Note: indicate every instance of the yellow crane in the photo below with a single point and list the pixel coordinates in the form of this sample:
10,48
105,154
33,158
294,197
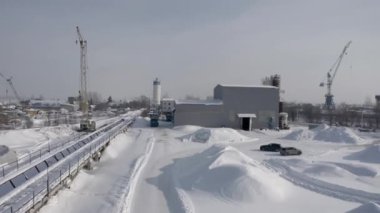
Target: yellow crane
85,124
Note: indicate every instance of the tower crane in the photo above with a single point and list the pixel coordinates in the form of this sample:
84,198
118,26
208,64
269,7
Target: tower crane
329,103
9,80
85,123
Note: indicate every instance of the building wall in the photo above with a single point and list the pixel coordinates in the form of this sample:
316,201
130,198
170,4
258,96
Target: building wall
262,101
167,105
199,114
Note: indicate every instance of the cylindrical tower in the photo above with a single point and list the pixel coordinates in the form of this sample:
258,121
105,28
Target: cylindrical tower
156,92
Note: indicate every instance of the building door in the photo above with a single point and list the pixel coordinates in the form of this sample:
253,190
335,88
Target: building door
246,124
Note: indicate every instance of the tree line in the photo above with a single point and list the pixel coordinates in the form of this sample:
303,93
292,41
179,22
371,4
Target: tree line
344,115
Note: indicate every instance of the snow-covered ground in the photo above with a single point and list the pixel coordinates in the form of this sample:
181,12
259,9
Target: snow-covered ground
194,169
18,143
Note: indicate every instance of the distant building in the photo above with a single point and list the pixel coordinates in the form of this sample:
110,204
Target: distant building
72,100
234,106
167,105
377,100
45,104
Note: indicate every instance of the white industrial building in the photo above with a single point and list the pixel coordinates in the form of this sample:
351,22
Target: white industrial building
234,106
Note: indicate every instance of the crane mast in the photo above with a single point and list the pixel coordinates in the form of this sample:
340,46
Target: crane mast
83,73
85,123
329,103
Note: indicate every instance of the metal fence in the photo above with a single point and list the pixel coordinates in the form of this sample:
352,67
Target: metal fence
46,182
30,158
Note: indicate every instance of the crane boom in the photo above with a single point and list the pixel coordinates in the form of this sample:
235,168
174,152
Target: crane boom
338,62
9,80
329,103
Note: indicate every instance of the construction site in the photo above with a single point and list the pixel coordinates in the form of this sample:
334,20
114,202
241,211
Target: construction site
189,107
21,113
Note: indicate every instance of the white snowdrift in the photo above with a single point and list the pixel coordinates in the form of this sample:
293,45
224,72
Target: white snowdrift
366,208
7,155
370,154
187,128
217,135
331,169
327,134
227,173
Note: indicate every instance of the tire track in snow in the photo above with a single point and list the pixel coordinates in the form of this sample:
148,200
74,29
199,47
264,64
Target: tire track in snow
138,167
322,187
185,203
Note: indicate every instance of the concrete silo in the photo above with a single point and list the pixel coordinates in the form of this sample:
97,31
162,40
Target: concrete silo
156,93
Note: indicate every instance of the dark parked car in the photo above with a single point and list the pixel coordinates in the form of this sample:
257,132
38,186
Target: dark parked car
290,151
272,147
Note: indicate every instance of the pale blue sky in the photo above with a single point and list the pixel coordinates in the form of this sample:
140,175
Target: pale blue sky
191,45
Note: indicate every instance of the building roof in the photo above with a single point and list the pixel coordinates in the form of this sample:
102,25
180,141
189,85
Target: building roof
200,102
167,99
246,86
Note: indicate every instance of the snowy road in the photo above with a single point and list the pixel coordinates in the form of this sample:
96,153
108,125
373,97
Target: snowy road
322,187
105,188
160,170
155,191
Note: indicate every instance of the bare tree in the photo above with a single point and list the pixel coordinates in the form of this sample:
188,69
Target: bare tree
191,97
94,97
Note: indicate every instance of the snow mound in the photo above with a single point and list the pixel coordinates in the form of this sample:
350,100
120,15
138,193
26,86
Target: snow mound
3,150
326,133
337,134
217,135
325,170
187,128
300,135
358,170
331,169
321,127
7,155
227,173
366,208
370,154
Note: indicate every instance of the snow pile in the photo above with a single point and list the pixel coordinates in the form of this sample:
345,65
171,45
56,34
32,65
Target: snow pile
337,134
187,128
325,170
217,135
3,150
370,154
300,135
326,133
366,208
6,155
331,169
316,169
227,173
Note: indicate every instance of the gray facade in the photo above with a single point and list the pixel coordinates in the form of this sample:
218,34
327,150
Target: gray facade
259,104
